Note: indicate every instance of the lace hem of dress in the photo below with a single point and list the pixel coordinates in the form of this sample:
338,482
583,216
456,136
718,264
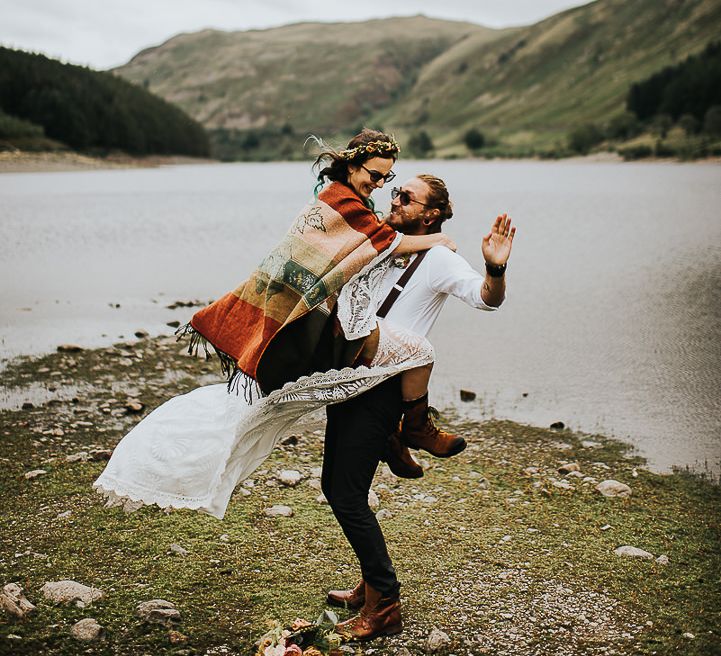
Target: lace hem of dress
141,472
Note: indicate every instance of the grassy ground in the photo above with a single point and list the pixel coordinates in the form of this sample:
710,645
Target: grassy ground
502,560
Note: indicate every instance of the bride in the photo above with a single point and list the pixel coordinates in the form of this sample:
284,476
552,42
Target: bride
299,334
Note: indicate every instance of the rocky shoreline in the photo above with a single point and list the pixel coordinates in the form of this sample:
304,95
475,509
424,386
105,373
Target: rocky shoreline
533,541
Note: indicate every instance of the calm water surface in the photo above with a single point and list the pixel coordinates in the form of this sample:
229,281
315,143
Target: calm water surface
614,286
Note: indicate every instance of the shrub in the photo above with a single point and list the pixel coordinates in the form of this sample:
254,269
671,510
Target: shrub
712,121
585,137
474,139
689,124
420,143
639,151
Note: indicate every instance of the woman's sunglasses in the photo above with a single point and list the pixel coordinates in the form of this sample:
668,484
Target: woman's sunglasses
377,176
404,197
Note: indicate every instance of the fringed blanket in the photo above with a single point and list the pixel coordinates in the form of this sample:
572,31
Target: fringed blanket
281,323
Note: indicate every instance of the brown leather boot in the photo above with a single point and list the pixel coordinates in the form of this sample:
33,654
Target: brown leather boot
400,460
351,599
419,432
380,616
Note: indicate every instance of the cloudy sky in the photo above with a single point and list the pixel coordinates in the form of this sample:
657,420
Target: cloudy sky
107,33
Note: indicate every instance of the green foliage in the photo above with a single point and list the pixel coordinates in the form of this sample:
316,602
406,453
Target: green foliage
639,151
10,127
420,143
689,124
690,87
712,121
260,144
88,109
624,126
661,124
585,137
474,139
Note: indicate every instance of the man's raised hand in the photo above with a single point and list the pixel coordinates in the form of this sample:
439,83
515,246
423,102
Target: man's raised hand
496,246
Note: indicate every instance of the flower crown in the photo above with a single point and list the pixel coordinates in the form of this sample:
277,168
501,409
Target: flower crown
373,147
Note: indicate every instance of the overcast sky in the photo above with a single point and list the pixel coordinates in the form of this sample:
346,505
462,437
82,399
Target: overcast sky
107,33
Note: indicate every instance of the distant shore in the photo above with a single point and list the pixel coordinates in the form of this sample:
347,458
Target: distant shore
39,162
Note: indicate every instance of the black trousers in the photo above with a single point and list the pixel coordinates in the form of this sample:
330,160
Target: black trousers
355,440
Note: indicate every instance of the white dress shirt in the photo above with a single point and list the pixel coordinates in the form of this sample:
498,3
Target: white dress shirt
440,274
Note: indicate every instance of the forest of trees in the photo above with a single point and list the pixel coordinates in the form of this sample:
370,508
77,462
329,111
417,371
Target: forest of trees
690,88
92,110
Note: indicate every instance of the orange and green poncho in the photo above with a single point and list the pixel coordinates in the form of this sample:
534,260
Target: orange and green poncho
281,323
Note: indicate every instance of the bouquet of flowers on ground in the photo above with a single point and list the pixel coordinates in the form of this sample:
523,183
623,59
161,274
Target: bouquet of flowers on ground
302,638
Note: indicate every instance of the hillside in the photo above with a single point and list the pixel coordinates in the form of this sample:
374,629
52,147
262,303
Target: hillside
534,85
310,76
260,92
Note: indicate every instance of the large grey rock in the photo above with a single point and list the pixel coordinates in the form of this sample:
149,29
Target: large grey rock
176,548
279,511
65,592
436,641
662,559
13,601
87,630
611,488
158,611
633,552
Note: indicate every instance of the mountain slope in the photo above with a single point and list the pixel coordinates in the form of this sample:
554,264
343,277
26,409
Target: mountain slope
312,76
572,68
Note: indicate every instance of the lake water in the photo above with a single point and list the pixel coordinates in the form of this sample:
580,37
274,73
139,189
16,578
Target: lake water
614,286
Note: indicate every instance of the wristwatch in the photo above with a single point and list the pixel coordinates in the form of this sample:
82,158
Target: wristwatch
495,270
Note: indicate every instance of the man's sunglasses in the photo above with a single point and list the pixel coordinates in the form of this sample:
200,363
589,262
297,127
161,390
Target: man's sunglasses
404,197
377,176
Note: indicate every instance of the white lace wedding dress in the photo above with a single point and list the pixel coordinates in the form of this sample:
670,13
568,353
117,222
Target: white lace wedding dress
193,450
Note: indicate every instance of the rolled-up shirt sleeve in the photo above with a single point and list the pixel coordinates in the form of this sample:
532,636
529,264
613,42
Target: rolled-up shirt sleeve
451,274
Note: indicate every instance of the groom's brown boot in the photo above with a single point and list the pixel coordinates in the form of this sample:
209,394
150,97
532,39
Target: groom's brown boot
351,599
419,432
380,616
399,459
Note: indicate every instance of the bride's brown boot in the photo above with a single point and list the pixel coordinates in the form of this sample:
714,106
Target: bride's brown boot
419,432
399,459
380,616
351,599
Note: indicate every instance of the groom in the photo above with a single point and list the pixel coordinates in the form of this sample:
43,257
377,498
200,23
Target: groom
358,430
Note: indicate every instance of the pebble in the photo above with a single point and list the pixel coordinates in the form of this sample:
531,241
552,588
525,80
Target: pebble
383,513
436,641
158,611
689,636
467,395
67,591
87,630
662,559
13,601
611,488
558,425
176,548
564,485
279,511
633,552
569,467
321,498
133,406
290,477
373,501
69,348
35,473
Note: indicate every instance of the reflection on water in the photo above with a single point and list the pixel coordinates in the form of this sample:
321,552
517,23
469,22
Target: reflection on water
614,286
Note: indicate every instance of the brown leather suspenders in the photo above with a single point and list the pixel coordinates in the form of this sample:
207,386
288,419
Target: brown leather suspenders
398,287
